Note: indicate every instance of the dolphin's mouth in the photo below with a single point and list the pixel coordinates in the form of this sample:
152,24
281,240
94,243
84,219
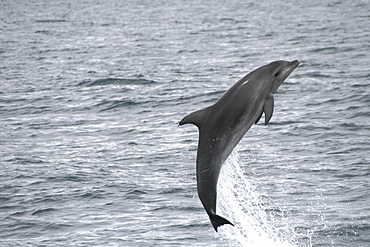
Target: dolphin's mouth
295,63
285,73
292,65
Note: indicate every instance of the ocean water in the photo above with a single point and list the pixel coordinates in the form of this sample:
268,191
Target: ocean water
91,93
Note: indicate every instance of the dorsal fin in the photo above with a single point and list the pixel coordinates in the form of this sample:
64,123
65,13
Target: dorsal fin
195,118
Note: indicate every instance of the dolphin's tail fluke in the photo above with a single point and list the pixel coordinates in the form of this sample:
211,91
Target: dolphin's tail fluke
218,221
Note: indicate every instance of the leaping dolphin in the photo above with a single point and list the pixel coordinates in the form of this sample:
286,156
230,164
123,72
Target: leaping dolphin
222,125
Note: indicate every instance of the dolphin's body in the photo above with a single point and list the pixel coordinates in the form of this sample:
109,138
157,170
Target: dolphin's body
222,126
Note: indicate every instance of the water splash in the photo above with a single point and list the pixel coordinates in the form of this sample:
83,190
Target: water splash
241,204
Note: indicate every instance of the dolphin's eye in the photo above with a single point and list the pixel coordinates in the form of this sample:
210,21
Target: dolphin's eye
277,74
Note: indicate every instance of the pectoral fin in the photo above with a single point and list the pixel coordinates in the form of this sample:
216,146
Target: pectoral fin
268,108
258,119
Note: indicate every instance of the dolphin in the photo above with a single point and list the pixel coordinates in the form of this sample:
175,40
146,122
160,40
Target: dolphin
222,125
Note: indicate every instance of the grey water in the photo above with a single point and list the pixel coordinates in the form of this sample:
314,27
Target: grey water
91,93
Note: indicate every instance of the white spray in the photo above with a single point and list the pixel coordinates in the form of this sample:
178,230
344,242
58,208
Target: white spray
241,204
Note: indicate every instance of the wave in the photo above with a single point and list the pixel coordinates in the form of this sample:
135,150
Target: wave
50,20
113,104
117,81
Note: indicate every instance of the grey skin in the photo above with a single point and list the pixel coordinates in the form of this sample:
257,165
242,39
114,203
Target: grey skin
222,125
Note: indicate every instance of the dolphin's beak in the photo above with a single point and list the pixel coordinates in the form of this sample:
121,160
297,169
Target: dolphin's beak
293,65
289,69
286,72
